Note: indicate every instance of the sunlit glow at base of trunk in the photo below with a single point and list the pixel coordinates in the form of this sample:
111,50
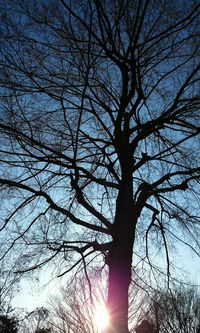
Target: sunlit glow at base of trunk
101,317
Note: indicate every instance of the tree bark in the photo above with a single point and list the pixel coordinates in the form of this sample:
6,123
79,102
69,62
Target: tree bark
120,258
118,284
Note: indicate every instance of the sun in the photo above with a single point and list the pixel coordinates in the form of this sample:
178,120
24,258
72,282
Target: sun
101,317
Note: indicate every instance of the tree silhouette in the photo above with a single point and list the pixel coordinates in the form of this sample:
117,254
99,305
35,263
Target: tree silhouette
176,310
99,128
71,310
8,324
36,321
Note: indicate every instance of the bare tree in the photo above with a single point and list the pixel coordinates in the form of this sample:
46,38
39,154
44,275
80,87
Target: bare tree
36,321
99,128
9,287
8,324
176,310
72,310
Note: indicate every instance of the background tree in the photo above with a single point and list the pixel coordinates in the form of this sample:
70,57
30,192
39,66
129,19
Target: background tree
176,310
99,127
36,321
9,286
8,324
74,310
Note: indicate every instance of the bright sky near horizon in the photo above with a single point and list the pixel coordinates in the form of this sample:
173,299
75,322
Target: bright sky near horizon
34,294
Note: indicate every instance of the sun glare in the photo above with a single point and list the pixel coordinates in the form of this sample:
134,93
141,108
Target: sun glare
101,317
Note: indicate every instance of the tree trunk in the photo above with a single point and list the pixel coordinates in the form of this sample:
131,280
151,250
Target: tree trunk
120,254
118,284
